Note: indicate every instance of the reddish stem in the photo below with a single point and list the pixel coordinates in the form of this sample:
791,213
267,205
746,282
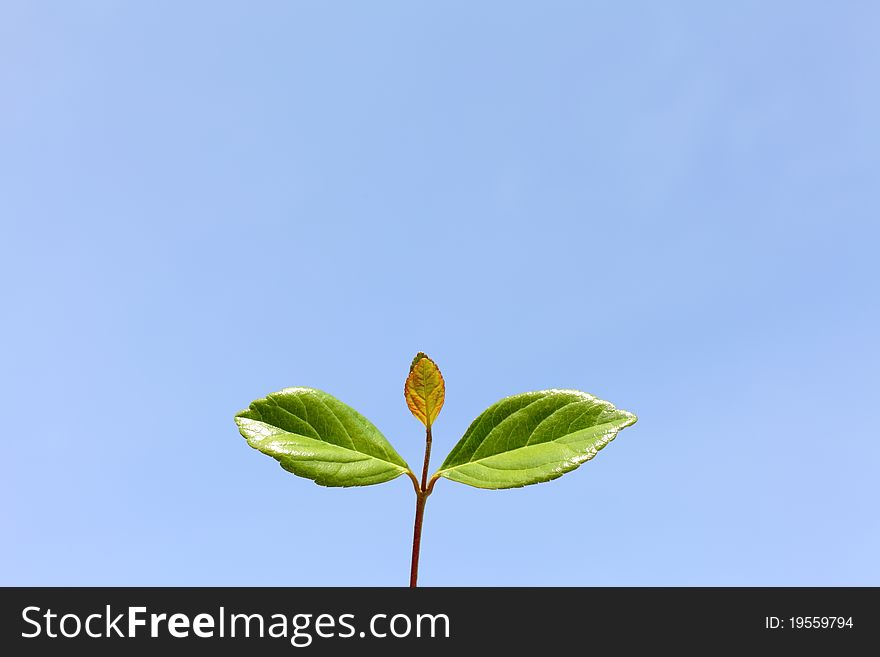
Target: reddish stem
422,493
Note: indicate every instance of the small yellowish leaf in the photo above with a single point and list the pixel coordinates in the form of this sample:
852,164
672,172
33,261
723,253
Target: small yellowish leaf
425,389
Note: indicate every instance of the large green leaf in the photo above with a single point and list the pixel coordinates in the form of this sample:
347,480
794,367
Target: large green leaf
314,435
533,437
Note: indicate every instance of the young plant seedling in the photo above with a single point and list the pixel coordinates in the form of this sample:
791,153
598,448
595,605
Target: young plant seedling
521,440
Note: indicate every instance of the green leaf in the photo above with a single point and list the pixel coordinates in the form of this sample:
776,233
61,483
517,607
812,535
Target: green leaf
533,437
314,435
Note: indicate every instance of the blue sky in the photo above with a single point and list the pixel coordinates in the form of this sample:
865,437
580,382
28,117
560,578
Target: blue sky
672,207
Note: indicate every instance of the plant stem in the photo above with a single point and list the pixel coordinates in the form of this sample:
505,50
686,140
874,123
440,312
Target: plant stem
427,458
421,499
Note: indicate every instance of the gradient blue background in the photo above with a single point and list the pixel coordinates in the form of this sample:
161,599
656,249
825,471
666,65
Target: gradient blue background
673,208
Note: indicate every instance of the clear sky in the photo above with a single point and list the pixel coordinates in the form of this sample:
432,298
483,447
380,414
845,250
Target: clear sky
673,207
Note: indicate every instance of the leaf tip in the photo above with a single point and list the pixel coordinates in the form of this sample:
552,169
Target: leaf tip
417,358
